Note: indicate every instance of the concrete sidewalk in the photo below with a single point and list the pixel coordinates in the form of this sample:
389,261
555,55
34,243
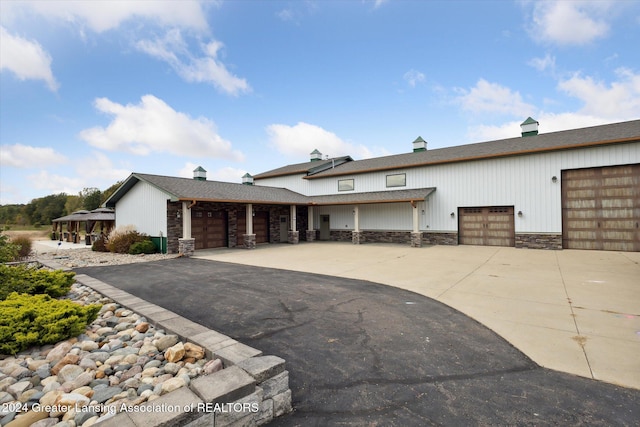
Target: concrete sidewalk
572,311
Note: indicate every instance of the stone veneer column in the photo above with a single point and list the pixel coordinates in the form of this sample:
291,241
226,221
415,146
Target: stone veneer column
249,241
294,237
311,235
416,240
186,247
356,236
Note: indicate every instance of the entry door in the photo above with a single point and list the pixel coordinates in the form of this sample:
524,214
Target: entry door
325,229
284,228
487,226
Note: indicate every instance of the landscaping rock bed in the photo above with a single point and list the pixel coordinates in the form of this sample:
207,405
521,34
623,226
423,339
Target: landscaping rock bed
121,359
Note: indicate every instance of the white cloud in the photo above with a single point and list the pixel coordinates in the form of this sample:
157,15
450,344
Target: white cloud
54,184
100,170
378,3
26,156
205,69
26,59
153,126
413,77
548,63
488,97
100,16
570,22
303,138
618,100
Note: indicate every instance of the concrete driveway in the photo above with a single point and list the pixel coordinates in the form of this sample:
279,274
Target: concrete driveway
573,311
361,353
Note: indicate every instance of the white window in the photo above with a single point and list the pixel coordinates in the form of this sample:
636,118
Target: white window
397,180
345,185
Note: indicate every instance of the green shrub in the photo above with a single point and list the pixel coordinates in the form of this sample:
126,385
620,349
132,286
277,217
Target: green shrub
27,320
99,245
121,242
24,243
8,251
146,247
37,226
29,280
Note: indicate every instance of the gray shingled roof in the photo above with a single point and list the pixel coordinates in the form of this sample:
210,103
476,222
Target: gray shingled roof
372,197
596,135
308,168
215,191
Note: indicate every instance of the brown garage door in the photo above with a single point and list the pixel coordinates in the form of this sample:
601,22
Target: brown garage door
601,208
487,226
209,228
260,226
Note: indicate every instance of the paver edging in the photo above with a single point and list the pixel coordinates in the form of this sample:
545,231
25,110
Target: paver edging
220,399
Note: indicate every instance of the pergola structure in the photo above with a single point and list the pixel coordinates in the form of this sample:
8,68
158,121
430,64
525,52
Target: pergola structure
105,216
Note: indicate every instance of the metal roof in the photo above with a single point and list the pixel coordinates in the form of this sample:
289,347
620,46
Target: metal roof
308,168
178,189
564,140
100,214
373,197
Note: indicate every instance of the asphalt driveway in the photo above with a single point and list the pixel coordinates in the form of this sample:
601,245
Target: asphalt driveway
361,353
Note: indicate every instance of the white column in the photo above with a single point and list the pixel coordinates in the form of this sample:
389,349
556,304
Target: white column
249,218
416,217
356,218
186,221
310,218
294,225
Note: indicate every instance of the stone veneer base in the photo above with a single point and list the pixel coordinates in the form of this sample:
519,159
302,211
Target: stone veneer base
293,237
186,247
249,241
539,241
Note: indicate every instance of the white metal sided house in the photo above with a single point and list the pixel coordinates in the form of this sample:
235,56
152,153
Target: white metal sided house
572,189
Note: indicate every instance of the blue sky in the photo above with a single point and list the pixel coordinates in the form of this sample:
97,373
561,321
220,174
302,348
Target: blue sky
92,91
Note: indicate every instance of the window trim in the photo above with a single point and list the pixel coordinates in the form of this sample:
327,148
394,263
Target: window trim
404,181
342,182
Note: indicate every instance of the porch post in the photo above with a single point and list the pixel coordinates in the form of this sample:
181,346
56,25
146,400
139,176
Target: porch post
186,245
249,239
311,233
416,235
356,236
293,234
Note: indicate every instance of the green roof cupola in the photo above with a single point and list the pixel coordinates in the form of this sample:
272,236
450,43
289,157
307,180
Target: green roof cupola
247,179
200,174
529,127
419,145
316,155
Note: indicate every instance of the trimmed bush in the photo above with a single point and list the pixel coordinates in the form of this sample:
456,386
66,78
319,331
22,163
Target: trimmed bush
121,239
25,246
27,320
146,247
29,280
100,245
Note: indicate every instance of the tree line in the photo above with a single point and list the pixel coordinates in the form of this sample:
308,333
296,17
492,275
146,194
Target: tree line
40,211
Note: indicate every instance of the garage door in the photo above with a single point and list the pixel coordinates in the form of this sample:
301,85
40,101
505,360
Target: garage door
486,226
209,228
601,208
260,226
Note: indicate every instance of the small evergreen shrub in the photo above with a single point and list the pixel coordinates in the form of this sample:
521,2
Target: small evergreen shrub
8,251
145,247
28,320
29,280
25,246
120,241
100,245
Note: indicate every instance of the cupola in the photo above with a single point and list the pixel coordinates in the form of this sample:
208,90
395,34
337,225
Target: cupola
529,127
200,174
